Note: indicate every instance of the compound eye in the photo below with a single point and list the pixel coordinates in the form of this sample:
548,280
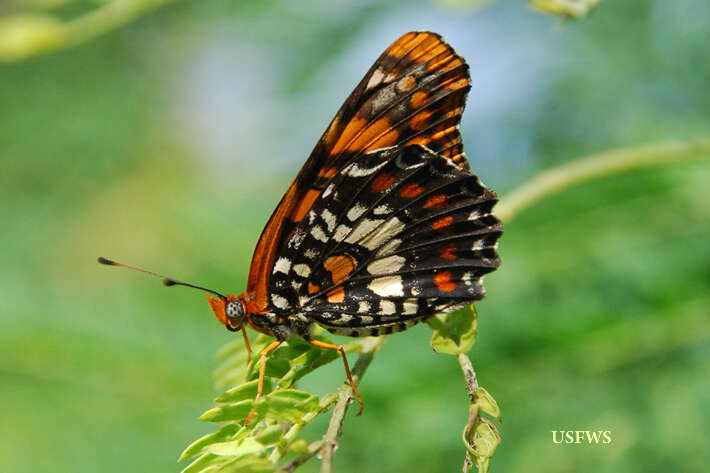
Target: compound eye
235,312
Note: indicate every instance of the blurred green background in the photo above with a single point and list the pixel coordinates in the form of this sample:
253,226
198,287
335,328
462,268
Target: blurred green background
166,143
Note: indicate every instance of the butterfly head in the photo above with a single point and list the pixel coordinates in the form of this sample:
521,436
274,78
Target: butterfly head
229,311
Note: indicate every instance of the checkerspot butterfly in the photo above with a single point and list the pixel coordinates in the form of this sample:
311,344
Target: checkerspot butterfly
384,226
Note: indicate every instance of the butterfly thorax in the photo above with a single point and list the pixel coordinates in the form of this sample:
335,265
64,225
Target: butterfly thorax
282,327
234,311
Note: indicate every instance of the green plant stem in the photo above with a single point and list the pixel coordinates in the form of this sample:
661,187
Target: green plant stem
597,165
471,387
345,397
469,374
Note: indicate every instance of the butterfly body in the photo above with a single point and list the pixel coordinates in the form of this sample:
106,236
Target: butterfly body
384,225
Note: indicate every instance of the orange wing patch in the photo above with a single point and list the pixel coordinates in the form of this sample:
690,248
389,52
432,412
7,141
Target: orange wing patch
379,134
340,267
313,288
448,251
436,201
336,295
411,190
443,281
443,222
305,205
382,182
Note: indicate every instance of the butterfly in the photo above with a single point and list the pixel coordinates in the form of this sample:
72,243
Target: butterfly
384,226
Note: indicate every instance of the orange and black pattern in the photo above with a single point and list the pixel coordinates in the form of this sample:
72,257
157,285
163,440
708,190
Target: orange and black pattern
384,225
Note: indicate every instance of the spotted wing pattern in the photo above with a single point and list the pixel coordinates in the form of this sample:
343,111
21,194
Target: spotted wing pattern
395,237
413,94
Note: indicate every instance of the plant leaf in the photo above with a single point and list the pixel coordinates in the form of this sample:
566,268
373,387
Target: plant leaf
289,405
205,463
237,412
244,391
248,465
198,445
236,448
454,332
487,404
271,435
483,439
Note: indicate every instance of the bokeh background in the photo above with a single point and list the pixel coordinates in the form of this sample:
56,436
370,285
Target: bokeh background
167,142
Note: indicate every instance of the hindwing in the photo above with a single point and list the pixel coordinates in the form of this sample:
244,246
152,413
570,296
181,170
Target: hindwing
395,237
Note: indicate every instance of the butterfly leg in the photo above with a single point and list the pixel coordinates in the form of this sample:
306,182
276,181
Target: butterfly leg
262,368
330,346
246,342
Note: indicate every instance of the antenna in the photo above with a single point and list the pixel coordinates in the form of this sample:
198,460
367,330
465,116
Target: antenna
166,280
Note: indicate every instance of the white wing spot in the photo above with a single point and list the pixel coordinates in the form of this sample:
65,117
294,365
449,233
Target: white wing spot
387,307
390,264
467,278
279,301
328,190
282,265
296,239
363,229
341,232
363,307
310,253
382,210
411,306
329,219
302,270
375,79
356,171
387,286
372,241
389,247
318,234
355,212
474,215
366,319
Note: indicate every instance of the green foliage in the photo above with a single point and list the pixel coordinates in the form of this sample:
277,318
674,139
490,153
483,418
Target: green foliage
271,438
454,332
270,442
25,34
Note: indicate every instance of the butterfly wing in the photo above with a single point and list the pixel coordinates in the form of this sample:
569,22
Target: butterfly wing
413,94
396,236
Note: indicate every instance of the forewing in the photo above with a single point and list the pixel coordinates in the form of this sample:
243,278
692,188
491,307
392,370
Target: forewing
395,237
413,94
